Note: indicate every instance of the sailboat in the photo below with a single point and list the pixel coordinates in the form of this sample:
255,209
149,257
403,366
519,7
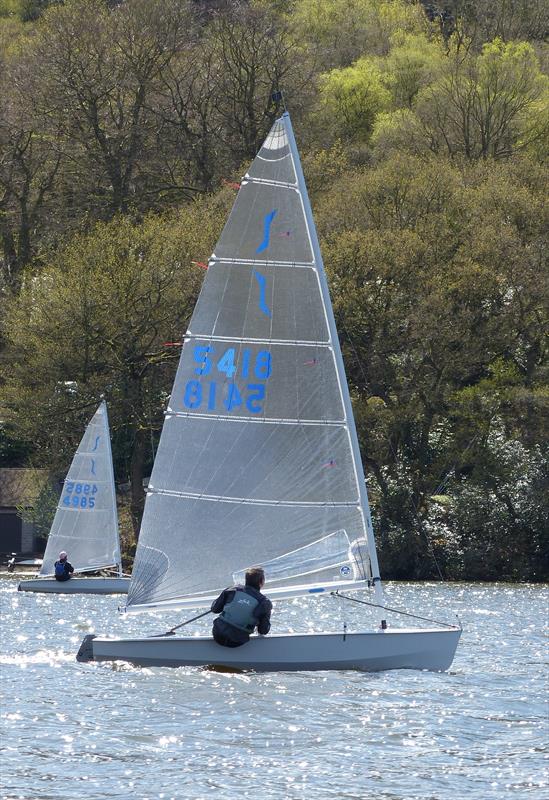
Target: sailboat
86,521
258,461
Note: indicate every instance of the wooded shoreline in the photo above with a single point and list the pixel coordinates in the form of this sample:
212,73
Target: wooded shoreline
125,129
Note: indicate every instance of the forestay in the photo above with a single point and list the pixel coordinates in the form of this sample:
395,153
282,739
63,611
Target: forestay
258,455
86,521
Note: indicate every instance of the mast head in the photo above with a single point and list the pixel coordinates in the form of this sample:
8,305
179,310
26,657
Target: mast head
278,98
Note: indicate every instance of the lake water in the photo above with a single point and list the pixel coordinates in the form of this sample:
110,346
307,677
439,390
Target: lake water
93,731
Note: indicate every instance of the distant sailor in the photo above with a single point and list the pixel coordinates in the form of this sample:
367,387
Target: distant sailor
63,568
242,609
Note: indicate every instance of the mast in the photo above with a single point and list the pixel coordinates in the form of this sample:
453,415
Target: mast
117,552
363,492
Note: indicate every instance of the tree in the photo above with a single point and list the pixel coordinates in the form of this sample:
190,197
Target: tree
257,53
412,63
101,69
78,137
490,105
429,304
353,97
29,164
345,30
40,515
185,108
482,21
214,101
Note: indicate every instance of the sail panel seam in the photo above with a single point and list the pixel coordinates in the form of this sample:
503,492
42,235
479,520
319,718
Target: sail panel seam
214,498
255,340
262,262
273,420
269,182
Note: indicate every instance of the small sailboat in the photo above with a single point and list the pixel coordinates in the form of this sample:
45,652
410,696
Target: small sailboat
86,521
258,461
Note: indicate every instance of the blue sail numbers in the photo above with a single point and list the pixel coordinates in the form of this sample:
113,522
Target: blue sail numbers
80,495
217,393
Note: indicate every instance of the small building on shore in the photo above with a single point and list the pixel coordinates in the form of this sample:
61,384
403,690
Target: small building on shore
19,488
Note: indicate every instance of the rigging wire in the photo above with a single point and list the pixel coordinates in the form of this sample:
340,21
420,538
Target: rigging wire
394,610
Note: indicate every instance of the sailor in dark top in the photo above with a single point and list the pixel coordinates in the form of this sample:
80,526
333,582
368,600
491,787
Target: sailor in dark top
242,610
63,568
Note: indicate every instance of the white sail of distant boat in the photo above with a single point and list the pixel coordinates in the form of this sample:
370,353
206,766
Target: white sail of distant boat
86,520
258,461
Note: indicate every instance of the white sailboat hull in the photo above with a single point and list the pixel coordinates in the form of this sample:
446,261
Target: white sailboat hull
422,649
76,586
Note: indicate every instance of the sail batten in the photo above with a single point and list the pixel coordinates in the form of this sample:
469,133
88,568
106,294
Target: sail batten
266,182
253,501
339,423
256,459
263,263
249,340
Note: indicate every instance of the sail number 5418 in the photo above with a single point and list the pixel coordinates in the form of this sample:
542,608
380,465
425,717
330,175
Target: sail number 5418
214,395
205,358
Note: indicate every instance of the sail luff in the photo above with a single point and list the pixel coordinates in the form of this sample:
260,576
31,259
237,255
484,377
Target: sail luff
363,492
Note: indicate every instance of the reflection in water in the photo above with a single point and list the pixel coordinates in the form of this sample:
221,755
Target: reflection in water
97,731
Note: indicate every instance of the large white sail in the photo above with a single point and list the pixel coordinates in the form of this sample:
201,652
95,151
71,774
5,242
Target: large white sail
86,521
258,460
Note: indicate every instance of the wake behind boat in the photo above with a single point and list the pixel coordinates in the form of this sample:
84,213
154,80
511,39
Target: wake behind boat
258,460
86,521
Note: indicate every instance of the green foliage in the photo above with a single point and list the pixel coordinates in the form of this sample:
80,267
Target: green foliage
9,8
499,528
13,451
481,21
412,63
323,167
136,106
488,105
442,319
353,97
25,10
344,30
32,9
13,38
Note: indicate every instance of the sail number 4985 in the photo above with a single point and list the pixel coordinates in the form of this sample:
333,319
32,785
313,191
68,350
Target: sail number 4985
214,395
79,495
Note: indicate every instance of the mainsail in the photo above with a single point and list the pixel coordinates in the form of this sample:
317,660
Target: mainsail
258,460
86,521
